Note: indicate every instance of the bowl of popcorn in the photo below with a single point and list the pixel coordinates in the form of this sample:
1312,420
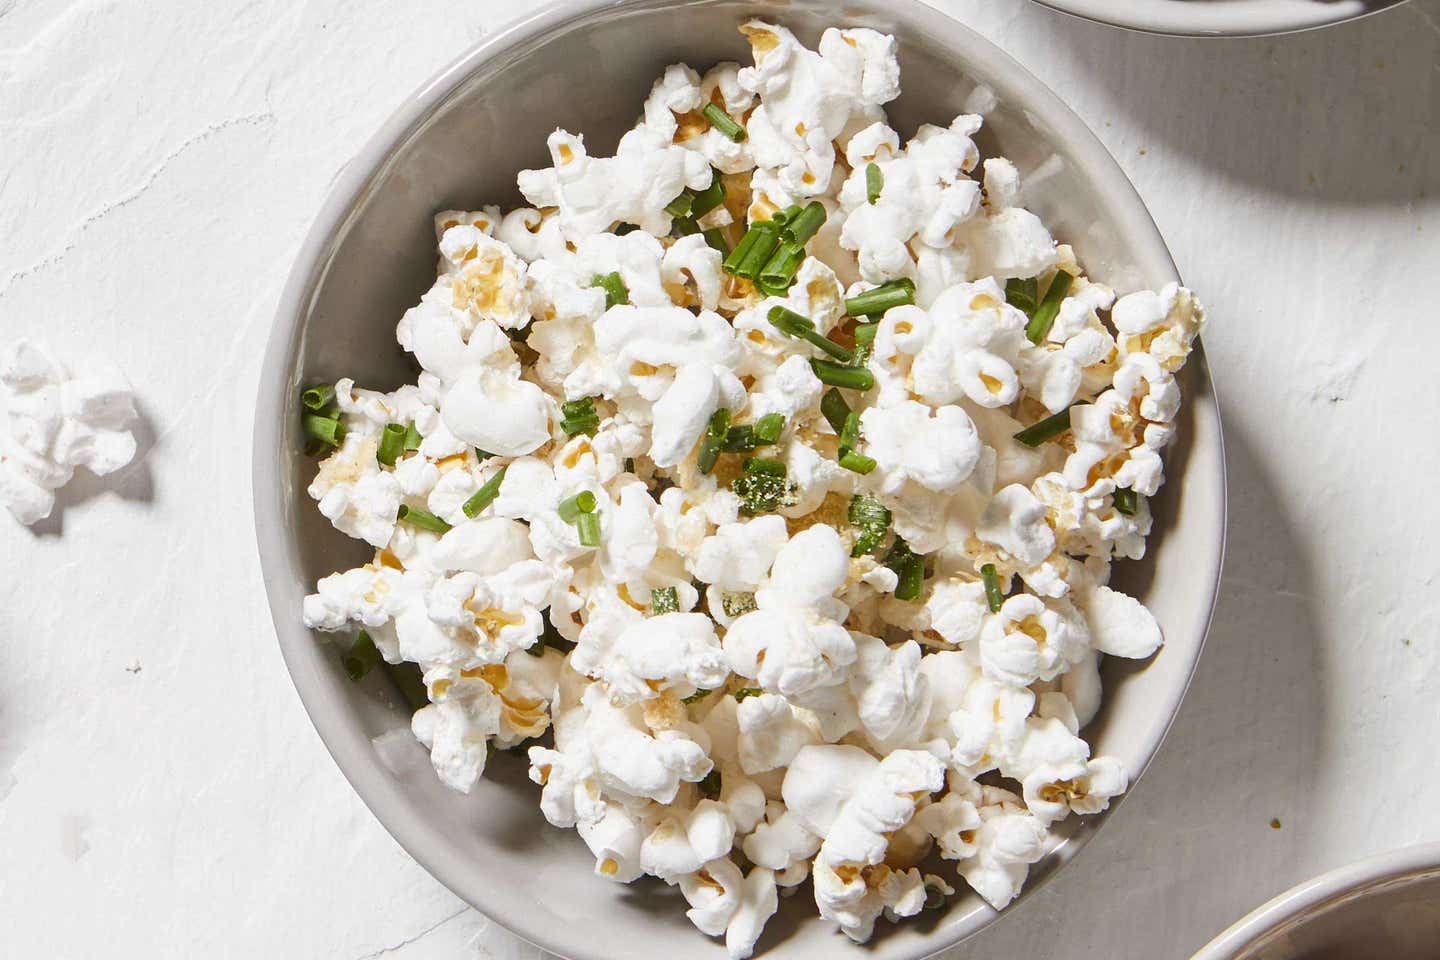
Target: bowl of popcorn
716,500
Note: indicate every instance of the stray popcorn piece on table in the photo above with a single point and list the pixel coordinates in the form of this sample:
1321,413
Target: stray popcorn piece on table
764,480
56,421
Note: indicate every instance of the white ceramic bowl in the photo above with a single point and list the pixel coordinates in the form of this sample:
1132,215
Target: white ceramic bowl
458,142
1387,906
1220,18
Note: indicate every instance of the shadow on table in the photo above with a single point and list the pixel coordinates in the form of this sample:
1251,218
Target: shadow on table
1345,115
1244,753
132,482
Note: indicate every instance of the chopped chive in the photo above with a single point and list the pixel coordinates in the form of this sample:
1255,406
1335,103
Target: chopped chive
412,437
709,785
681,205
1047,429
326,430
857,462
792,324
874,182
850,432
579,416
614,287
622,229
784,263
912,579
1126,501
766,466
1022,294
486,495
708,199
722,121
934,897
865,334
805,224
684,226
737,604
835,409
697,696
318,397
392,444
482,455
1039,326
361,657
570,509
769,427
747,692
715,237
994,598
872,519
742,250
891,293
713,441
410,681
578,408
664,600
763,487
740,439
423,519
589,526
838,375
785,216
767,239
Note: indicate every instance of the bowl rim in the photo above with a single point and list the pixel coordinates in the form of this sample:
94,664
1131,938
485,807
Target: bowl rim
350,749
1174,18
1305,898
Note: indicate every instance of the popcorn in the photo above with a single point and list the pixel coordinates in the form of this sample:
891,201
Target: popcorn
55,422
739,676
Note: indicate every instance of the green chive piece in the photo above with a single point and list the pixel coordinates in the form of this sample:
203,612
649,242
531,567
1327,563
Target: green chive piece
806,223
412,438
763,487
909,566
722,121
741,252
715,237
614,287
792,324
1022,294
934,897
838,375
740,439
1039,326
482,455
1126,501
872,519
779,273
579,416
423,519
857,462
994,597
361,657
786,215
684,226
622,229
697,696
392,444
589,526
759,254
681,205
410,681
319,397
571,509
709,786
713,441
486,495
769,427
850,432
874,182
737,604
835,409
865,334
326,430
664,600
745,693
1047,429
891,293
708,199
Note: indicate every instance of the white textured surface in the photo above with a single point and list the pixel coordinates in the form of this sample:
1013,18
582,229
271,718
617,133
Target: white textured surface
161,791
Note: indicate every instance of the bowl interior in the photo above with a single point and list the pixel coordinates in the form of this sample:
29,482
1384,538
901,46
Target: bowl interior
458,144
